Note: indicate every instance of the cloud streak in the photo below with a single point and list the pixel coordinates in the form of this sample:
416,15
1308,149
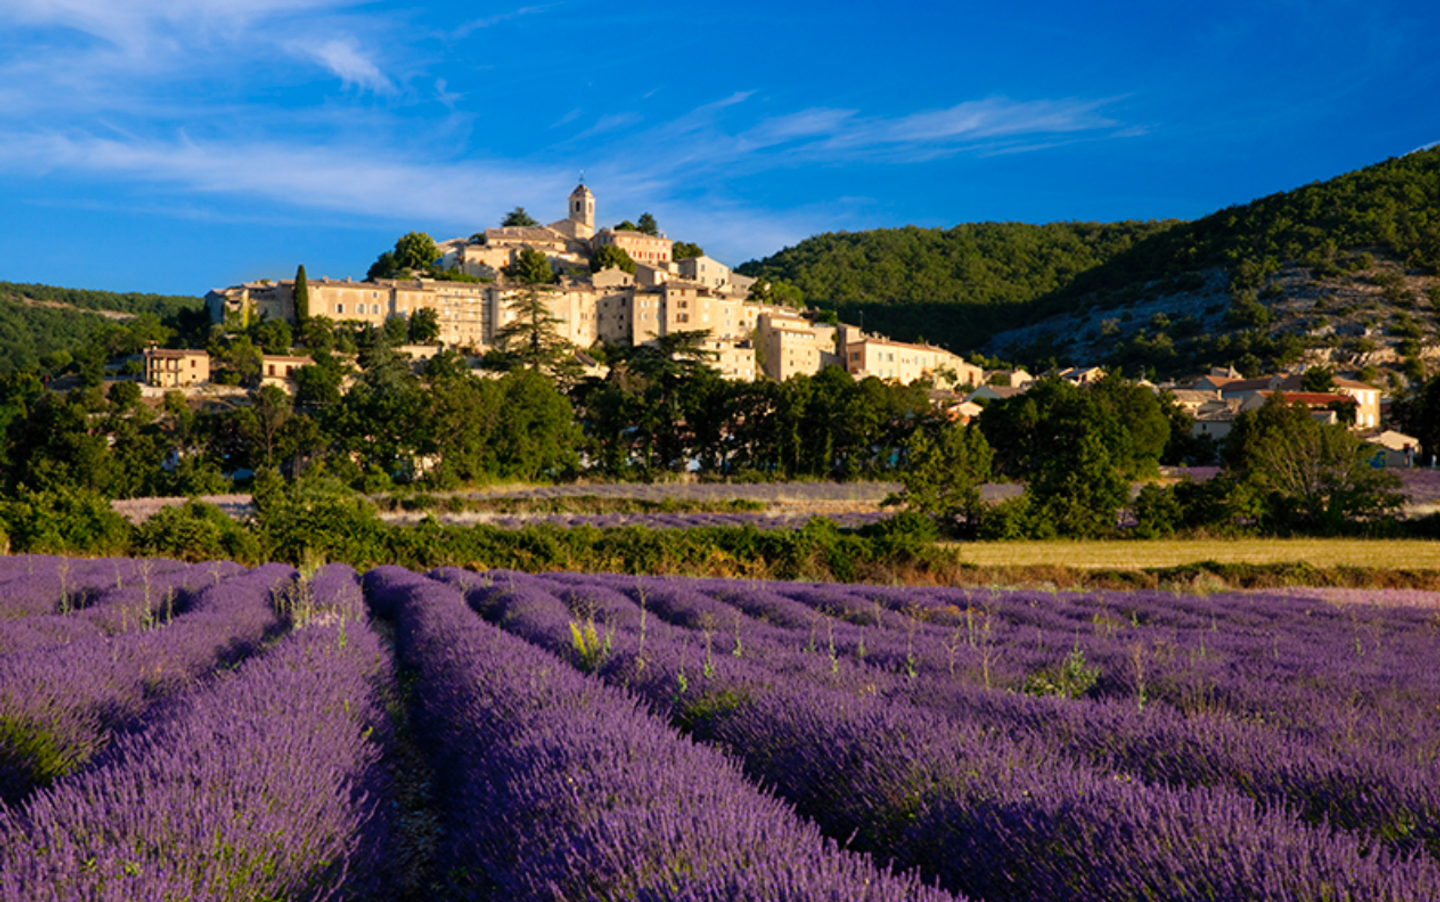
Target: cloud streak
344,58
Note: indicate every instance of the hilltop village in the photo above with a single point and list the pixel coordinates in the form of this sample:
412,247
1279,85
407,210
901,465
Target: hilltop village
747,338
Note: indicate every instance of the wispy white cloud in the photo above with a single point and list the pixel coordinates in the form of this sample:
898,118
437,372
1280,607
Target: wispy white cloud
335,178
567,118
610,122
138,25
467,28
344,58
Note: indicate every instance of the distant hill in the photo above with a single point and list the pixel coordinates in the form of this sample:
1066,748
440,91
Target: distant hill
1231,285
40,320
952,286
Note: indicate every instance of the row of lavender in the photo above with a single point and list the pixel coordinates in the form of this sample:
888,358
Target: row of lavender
1227,747
1013,746
557,787
188,779
666,521
268,781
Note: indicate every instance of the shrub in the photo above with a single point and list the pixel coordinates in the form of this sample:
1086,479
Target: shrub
195,531
64,521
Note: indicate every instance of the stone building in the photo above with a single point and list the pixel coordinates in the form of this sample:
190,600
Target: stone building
166,368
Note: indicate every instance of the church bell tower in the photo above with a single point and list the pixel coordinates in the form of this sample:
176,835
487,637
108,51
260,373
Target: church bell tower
582,206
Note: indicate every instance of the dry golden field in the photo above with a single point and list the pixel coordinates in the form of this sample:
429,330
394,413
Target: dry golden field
1395,554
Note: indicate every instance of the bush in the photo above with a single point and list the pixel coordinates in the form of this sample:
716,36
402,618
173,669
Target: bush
1158,513
321,520
1016,518
64,520
196,531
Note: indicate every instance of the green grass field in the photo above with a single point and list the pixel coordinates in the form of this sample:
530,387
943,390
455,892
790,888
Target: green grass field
1392,554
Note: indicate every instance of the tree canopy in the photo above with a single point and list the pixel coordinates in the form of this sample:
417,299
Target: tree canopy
611,255
530,267
518,218
415,253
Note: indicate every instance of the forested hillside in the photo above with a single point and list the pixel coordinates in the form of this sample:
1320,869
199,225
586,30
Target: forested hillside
947,285
42,326
959,286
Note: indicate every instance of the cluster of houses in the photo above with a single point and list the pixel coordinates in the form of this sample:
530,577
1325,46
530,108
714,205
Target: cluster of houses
746,337
1218,398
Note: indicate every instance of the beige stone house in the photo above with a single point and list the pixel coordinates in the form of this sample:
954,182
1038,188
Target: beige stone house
279,370
166,368
898,361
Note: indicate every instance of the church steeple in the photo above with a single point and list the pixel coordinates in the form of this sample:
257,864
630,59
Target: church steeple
582,206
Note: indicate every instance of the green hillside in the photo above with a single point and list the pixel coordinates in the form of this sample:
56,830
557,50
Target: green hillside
960,286
44,326
954,286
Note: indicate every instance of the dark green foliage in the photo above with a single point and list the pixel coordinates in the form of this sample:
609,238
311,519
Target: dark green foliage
44,335
195,531
302,296
1419,413
684,250
530,267
518,218
942,474
384,267
777,291
956,286
158,306
274,336
647,225
424,326
612,255
415,254
320,519
1303,475
64,520
1076,450
1158,512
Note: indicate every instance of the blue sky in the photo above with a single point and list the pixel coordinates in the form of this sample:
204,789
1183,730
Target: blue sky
167,146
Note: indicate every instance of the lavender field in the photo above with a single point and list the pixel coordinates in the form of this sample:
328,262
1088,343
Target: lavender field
209,732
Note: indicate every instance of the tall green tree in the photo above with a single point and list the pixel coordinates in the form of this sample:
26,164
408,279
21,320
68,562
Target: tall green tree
518,218
1307,476
531,338
647,225
302,297
1071,450
942,472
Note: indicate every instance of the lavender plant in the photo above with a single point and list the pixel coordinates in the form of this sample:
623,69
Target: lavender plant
579,792
265,785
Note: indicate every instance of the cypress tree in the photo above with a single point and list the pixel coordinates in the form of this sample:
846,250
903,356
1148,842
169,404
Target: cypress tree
302,296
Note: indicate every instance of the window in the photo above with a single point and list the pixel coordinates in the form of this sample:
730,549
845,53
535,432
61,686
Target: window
339,308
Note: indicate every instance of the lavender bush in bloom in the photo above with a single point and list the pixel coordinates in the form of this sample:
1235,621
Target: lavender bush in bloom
148,597
265,785
1004,817
42,584
560,788
57,710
